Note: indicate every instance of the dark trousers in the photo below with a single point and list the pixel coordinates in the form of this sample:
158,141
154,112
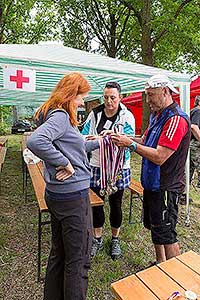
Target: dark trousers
69,260
115,202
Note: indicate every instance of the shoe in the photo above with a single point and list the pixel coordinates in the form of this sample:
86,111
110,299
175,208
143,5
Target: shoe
115,251
152,264
182,200
96,246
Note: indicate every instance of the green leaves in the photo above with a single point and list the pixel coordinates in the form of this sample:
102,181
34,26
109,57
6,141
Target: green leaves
162,33
27,21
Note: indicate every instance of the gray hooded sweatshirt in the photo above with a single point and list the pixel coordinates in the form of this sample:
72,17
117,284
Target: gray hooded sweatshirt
57,143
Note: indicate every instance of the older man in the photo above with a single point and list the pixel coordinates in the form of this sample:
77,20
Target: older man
164,149
195,140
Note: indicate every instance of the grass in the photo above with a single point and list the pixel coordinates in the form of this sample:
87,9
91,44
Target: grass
18,237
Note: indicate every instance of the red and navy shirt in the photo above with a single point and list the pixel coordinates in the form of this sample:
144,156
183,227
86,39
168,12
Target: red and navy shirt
169,129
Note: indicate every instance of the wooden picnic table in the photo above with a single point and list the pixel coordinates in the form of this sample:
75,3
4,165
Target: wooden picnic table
180,273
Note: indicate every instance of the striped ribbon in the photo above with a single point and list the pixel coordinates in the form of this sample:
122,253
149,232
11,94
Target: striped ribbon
111,164
174,295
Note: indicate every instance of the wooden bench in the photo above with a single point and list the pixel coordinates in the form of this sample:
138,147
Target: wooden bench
3,150
36,175
159,282
136,190
39,189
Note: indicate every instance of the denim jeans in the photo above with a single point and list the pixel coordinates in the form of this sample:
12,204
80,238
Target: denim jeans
69,260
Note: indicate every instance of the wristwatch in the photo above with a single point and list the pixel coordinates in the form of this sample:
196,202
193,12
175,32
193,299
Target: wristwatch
132,146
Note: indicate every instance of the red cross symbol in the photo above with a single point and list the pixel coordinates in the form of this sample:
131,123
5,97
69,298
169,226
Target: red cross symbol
19,79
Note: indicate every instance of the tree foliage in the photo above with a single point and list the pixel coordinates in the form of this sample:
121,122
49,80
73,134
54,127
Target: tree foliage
5,119
27,21
106,22
179,48
163,33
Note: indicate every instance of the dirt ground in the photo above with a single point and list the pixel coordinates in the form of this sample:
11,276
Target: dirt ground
18,238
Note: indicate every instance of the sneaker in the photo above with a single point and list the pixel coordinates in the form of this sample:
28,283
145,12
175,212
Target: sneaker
182,200
152,264
115,250
96,246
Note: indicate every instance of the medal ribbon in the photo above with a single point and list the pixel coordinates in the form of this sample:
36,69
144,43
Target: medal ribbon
111,163
102,167
174,295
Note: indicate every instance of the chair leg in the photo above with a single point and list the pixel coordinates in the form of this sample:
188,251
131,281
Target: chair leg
136,196
130,209
39,244
26,182
142,213
22,172
0,182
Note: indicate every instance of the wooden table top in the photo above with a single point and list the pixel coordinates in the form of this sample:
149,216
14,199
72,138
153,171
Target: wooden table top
159,282
37,170
3,140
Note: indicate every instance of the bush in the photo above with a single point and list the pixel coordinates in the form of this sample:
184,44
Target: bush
4,129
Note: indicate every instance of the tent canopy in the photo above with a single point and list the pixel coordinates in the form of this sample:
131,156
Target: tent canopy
51,62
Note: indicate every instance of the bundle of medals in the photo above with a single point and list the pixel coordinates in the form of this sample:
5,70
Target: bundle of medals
189,295
111,165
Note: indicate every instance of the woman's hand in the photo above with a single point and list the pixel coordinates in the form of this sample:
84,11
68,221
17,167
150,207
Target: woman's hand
64,172
91,137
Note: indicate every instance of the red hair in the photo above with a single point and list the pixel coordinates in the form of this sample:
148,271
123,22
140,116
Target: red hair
64,95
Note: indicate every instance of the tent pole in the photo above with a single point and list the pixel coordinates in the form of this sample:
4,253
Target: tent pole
185,104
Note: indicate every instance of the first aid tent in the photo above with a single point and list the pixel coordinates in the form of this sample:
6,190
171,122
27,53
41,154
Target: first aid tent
46,64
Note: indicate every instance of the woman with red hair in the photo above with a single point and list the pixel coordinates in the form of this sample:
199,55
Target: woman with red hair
62,148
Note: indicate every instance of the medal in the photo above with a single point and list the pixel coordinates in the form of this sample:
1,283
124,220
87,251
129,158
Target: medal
114,189
102,193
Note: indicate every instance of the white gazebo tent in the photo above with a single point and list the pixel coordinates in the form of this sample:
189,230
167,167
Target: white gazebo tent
51,62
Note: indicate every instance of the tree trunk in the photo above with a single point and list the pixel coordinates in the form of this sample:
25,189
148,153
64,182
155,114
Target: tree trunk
1,115
145,113
147,53
146,44
112,48
89,105
1,23
15,114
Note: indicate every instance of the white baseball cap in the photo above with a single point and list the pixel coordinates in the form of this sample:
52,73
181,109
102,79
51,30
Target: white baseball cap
157,81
